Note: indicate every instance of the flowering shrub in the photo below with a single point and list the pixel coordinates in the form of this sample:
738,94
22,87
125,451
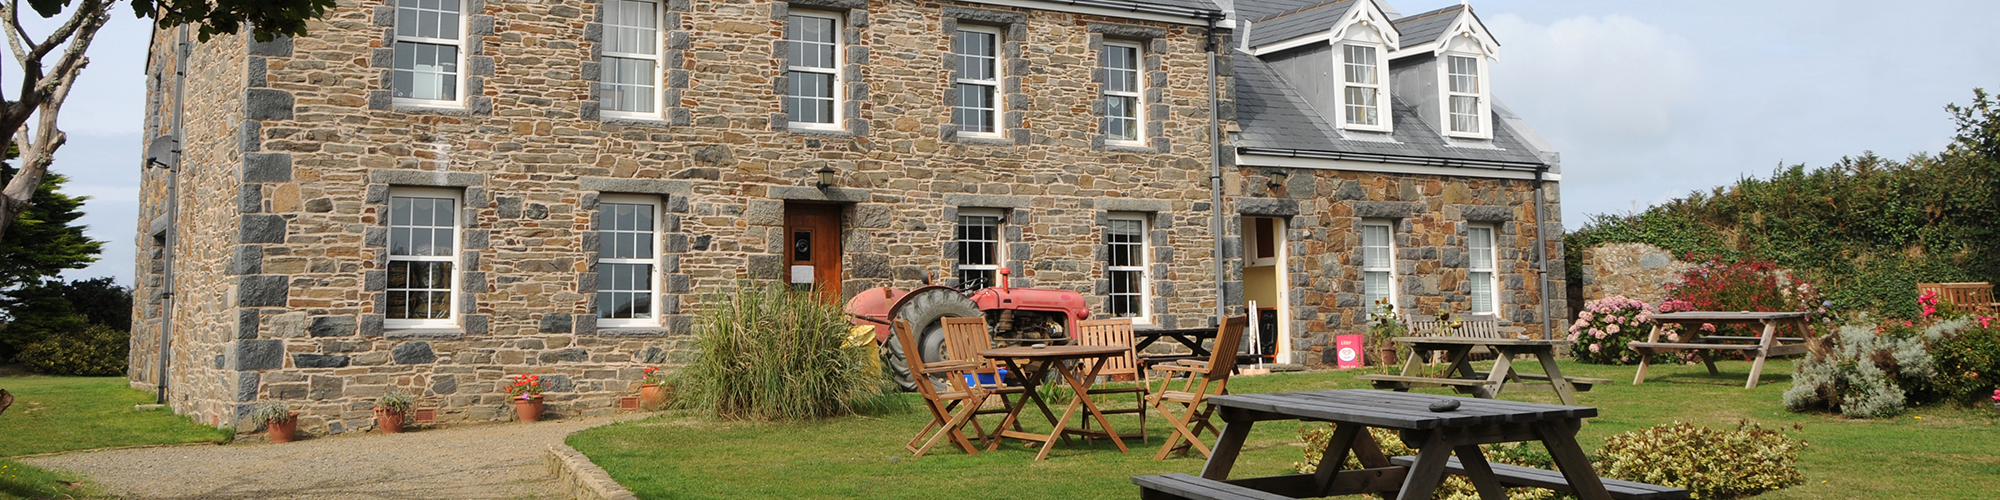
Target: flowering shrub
1708,463
526,386
1603,328
1967,362
1749,285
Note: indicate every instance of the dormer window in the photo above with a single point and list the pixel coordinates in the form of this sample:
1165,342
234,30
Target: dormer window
1466,95
1361,94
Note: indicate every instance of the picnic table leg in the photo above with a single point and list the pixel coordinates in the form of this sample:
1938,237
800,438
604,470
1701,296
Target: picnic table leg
1645,358
1708,359
1479,473
1503,365
1763,351
1570,460
1425,475
1334,456
1370,454
1564,390
1226,447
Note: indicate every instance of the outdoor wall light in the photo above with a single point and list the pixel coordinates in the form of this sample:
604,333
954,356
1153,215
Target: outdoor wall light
1277,178
826,177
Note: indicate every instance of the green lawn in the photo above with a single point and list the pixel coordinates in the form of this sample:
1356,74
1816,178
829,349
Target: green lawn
1933,453
53,414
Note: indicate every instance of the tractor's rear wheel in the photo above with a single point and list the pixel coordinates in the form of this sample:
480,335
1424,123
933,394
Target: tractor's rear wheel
924,308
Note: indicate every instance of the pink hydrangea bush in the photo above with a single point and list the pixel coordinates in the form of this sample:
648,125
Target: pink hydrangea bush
1604,326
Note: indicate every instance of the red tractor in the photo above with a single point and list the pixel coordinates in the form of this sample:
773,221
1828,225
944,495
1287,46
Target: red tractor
1017,314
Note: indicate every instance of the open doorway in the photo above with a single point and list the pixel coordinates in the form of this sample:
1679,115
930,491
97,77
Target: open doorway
1264,284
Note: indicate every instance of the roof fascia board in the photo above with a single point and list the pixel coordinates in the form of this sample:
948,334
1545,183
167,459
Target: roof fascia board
1321,37
1115,8
1441,167
1369,15
1465,24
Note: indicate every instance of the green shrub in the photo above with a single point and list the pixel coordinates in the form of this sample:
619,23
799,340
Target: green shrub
95,350
1708,463
1968,365
1864,371
776,354
1455,487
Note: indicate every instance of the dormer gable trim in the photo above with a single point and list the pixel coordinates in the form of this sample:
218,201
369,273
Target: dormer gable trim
1466,25
1367,17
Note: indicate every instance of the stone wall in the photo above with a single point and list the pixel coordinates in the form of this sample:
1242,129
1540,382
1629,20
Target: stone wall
1634,270
304,148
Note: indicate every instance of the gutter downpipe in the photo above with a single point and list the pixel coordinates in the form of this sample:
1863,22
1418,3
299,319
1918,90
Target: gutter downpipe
173,212
1542,249
1215,172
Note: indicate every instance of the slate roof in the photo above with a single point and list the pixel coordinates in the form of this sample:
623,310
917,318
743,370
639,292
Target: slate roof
1301,22
1185,4
1263,10
1419,29
1274,116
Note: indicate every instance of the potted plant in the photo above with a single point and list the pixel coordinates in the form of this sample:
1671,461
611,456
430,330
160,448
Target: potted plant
653,390
1383,325
391,409
279,421
527,396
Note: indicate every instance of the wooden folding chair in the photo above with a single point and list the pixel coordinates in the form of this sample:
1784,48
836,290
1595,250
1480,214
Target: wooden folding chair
963,339
1198,381
1118,333
951,407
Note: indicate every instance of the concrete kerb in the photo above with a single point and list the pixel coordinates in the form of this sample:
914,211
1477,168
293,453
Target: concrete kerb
581,479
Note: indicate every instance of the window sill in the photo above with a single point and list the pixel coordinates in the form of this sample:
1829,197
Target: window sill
1129,147
636,120
457,108
983,140
631,331
429,333
819,131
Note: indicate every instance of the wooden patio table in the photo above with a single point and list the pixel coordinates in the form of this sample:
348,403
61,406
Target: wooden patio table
1460,376
1033,364
1436,435
1766,345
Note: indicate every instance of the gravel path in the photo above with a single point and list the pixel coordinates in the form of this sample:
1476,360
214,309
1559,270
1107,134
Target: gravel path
476,462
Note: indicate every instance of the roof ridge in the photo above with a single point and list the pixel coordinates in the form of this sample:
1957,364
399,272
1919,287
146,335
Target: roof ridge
1420,16
1299,10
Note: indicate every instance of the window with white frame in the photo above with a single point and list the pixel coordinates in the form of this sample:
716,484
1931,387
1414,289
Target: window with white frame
1123,85
1465,95
423,235
627,261
629,76
978,80
428,53
979,248
1479,274
1125,266
1362,89
1378,264
813,69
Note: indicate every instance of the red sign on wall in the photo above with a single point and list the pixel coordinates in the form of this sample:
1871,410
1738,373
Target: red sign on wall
1348,350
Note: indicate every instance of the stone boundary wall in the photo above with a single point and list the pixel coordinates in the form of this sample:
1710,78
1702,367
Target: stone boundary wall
581,479
1635,270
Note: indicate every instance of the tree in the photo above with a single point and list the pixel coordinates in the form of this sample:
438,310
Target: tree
45,83
45,240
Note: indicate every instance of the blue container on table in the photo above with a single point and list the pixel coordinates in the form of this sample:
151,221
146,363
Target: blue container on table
999,378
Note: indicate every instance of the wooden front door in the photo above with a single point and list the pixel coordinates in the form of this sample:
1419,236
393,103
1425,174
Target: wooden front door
812,250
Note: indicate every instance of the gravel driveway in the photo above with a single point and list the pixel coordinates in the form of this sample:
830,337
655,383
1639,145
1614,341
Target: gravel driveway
484,461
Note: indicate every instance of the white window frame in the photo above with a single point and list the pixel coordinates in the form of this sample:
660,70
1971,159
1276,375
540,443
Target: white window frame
457,270
1389,267
1137,94
998,251
657,58
653,280
839,66
1145,295
396,37
1481,82
1472,268
1379,88
992,85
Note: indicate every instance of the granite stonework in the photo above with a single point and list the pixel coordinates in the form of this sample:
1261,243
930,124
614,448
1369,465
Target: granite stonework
1634,270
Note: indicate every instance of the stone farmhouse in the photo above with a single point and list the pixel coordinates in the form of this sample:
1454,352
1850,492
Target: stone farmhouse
431,195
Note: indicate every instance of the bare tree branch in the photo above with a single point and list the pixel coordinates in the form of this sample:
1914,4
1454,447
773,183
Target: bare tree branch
43,91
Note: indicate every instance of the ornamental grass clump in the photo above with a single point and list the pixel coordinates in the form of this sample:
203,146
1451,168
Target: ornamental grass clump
1709,463
1603,328
770,353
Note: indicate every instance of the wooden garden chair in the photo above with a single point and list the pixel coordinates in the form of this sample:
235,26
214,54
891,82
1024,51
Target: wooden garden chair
1975,297
1118,333
950,406
1198,381
963,339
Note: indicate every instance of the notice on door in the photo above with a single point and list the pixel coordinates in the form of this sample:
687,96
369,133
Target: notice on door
802,275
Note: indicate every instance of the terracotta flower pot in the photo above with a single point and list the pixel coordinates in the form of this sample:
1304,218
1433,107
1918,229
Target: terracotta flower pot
283,431
1385,356
528,409
651,396
389,422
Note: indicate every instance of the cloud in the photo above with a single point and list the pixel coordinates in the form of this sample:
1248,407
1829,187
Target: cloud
1612,78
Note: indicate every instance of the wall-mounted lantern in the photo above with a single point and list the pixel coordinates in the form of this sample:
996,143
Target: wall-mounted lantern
1277,178
826,177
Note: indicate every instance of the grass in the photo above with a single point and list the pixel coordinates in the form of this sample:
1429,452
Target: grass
1932,453
52,414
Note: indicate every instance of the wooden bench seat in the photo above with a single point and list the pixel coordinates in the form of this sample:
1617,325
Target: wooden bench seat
1384,379
1518,476
1642,346
1177,486
1581,383
1715,338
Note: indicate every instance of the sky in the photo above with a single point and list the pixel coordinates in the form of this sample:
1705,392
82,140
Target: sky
1645,100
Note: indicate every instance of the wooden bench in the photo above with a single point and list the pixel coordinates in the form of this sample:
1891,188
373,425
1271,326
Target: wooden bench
1757,348
1515,476
1183,486
1385,381
1581,383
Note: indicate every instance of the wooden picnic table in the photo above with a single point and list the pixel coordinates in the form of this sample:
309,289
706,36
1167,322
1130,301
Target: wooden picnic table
1763,346
1435,435
1460,376
1033,364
